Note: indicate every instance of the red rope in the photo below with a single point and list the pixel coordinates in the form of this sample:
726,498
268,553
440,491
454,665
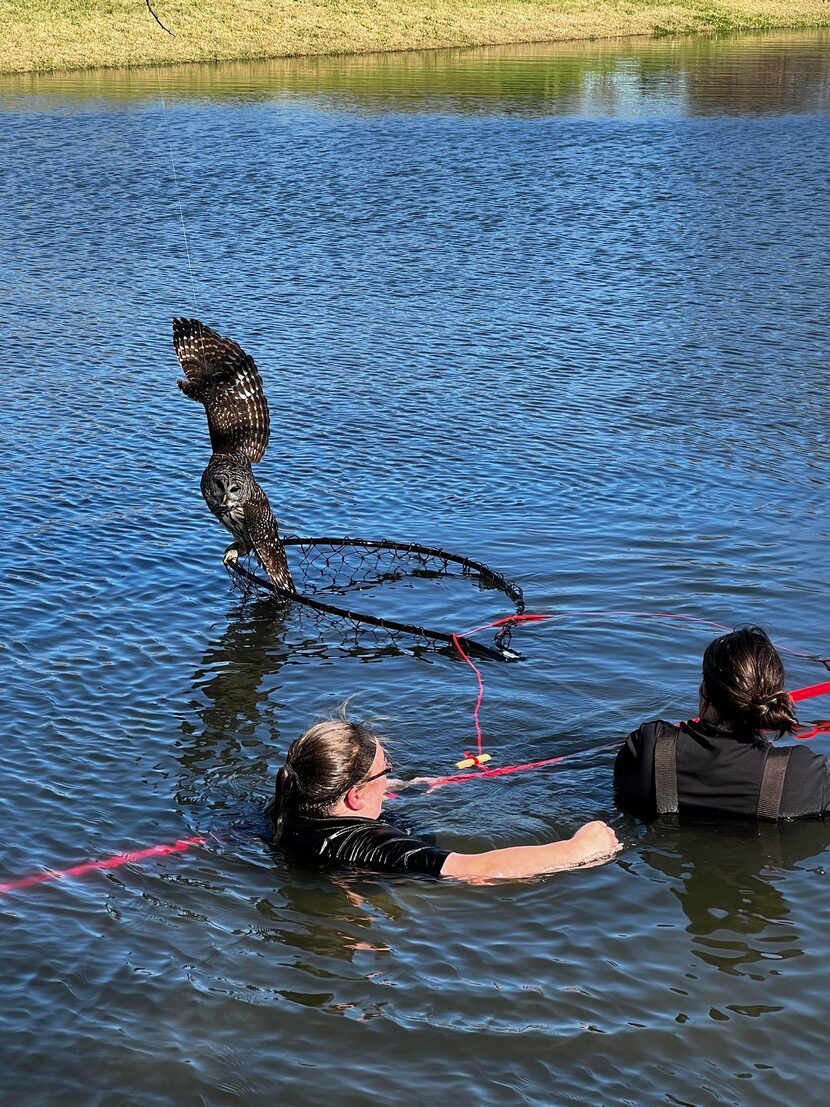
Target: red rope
106,863
477,671
506,770
818,728
822,727
810,691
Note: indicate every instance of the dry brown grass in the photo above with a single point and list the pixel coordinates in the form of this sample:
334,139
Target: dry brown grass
80,34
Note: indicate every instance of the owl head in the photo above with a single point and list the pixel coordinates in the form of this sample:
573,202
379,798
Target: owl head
226,484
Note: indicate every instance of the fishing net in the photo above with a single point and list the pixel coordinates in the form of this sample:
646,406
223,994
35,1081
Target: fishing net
327,565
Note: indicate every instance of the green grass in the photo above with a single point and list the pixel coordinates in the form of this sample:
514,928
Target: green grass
39,35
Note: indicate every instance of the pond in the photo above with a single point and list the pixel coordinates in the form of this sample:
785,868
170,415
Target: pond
560,309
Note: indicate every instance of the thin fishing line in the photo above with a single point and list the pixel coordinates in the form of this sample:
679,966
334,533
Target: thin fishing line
178,197
503,637
798,694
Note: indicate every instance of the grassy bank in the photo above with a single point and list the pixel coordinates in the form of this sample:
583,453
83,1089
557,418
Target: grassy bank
80,34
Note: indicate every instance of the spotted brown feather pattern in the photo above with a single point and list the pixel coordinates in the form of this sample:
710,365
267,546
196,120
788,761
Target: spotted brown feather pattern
264,536
222,377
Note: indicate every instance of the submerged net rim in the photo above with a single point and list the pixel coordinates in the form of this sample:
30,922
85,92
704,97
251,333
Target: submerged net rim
458,642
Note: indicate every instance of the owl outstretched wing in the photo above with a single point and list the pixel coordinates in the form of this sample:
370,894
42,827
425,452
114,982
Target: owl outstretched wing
225,379
264,537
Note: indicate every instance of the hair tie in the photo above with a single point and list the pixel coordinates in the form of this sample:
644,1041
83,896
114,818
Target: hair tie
770,700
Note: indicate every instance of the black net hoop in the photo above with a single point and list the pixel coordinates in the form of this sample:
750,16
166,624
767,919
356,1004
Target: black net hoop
343,564
384,559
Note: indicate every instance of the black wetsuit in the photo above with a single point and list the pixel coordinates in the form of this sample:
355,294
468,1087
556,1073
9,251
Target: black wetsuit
359,843
716,773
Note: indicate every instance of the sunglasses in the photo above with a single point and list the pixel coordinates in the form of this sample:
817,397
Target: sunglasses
385,771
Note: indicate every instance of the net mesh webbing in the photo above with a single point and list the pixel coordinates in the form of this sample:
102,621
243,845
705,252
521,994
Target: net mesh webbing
338,565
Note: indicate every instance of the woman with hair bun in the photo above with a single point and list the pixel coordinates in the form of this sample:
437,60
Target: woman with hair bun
724,761
327,805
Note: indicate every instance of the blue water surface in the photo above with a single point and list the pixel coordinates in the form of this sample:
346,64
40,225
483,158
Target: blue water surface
560,309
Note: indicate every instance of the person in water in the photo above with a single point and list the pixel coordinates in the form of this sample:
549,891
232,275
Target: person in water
327,809
724,762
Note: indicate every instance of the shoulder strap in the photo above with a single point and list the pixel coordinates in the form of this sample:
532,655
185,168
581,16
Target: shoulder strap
772,783
665,773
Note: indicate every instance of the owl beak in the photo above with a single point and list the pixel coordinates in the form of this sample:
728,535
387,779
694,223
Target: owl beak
224,500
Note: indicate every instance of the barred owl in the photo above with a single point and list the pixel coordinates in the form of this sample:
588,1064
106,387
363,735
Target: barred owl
222,377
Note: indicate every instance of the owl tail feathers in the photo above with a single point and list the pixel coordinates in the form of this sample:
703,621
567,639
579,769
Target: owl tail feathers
275,564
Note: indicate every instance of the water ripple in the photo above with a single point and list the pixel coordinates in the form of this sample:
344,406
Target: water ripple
561,309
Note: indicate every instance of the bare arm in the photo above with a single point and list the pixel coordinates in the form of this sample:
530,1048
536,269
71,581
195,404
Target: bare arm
591,845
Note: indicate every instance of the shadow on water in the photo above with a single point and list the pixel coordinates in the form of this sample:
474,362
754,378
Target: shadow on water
779,72
727,876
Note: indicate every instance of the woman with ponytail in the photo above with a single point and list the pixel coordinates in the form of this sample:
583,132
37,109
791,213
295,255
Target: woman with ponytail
328,801
724,761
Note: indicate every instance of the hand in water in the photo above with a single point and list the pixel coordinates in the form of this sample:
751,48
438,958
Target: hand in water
597,842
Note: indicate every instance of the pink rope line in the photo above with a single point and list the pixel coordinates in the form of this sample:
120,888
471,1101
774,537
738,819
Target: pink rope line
184,844
477,671
810,691
507,770
105,863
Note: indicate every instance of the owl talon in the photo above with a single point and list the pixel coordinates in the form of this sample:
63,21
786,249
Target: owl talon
231,556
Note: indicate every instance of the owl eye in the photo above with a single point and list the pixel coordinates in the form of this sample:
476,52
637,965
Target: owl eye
233,488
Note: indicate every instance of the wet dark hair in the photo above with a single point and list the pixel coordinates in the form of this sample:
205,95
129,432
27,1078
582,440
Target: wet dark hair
743,679
320,767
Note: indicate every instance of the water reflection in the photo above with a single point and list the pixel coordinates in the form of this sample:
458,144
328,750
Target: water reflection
314,940
776,72
728,880
233,730
330,915
562,348
229,690
321,924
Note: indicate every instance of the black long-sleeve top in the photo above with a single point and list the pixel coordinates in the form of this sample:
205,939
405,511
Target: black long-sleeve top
717,773
373,844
